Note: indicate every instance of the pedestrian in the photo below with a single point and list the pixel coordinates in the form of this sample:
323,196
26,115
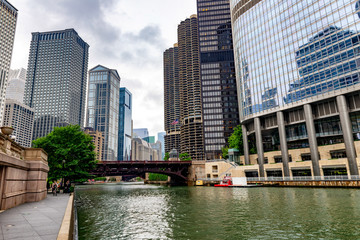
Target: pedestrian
54,188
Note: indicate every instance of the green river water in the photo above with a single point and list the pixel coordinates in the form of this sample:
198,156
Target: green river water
123,211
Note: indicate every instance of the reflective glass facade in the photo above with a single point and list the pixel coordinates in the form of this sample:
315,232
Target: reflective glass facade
56,80
219,94
125,116
291,52
103,108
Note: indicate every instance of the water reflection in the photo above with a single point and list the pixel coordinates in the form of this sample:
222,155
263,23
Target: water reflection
151,212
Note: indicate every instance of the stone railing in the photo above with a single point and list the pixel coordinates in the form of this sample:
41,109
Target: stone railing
23,173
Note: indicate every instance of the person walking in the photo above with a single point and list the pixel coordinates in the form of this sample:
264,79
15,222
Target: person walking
54,188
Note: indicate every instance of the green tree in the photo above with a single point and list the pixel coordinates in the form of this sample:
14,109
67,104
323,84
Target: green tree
166,157
236,140
184,157
70,153
225,152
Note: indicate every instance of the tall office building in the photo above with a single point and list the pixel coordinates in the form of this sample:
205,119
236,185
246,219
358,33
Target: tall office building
103,108
297,69
191,129
125,116
219,94
56,80
16,85
8,18
172,99
21,118
161,139
140,132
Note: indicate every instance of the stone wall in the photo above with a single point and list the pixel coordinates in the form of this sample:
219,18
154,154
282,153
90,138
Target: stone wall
23,174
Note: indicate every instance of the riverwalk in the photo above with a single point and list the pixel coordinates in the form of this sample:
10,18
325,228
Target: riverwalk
34,221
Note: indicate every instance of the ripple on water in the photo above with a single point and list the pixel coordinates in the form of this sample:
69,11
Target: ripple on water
153,212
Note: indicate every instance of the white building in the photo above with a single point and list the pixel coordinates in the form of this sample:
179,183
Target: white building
16,85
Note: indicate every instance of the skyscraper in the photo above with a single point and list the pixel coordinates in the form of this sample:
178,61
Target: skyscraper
56,80
219,95
16,85
8,18
125,116
172,99
21,118
161,139
103,108
190,89
298,81
140,132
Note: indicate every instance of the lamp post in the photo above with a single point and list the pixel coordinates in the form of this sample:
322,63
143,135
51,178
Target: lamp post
63,179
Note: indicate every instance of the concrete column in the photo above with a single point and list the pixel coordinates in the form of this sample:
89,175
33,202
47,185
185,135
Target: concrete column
283,143
259,146
347,134
246,144
310,128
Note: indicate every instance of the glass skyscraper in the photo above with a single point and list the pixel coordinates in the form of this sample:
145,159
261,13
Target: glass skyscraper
8,18
219,94
125,116
56,80
297,66
103,108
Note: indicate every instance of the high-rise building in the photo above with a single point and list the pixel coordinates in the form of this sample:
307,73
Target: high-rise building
140,132
21,118
16,85
219,94
161,139
97,139
298,78
103,108
56,80
125,116
172,99
8,18
191,136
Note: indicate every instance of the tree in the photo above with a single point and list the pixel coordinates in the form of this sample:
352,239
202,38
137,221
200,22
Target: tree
184,157
236,140
225,152
166,157
70,153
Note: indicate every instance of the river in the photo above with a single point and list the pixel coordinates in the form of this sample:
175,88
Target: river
123,211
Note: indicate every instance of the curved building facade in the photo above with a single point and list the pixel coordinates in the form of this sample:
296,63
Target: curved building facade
297,70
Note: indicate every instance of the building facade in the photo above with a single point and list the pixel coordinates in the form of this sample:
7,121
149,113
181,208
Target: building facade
103,108
16,85
97,139
191,130
172,99
56,80
218,80
140,132
8,18
21,118
161,139
125,116
297,69
143,151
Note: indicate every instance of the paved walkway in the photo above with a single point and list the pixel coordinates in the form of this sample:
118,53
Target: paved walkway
34,221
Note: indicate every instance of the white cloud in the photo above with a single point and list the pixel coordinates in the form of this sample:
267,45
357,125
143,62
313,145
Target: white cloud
129,36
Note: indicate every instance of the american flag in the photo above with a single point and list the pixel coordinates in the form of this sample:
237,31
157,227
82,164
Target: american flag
175,122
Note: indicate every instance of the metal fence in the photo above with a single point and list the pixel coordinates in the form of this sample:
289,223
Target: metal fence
295,178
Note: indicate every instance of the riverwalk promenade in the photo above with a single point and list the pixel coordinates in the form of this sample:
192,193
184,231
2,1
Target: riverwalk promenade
34,221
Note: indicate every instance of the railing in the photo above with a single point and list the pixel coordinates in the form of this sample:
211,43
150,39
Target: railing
306,178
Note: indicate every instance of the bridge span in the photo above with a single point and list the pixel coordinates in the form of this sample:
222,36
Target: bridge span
179,171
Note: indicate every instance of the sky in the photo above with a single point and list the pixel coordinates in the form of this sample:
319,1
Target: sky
127,35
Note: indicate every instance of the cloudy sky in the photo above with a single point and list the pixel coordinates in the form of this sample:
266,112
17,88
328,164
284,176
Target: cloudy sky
127,35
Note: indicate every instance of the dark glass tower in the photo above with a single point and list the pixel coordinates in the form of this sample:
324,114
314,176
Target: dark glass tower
219,94
125,115
172,99
103,108
191,129
56,80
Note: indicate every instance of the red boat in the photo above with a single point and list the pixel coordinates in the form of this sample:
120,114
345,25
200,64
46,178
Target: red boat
226,182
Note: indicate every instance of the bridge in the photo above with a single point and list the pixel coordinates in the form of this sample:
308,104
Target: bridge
178,170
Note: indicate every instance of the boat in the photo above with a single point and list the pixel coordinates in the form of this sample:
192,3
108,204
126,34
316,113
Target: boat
199,183
226,182
239,182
